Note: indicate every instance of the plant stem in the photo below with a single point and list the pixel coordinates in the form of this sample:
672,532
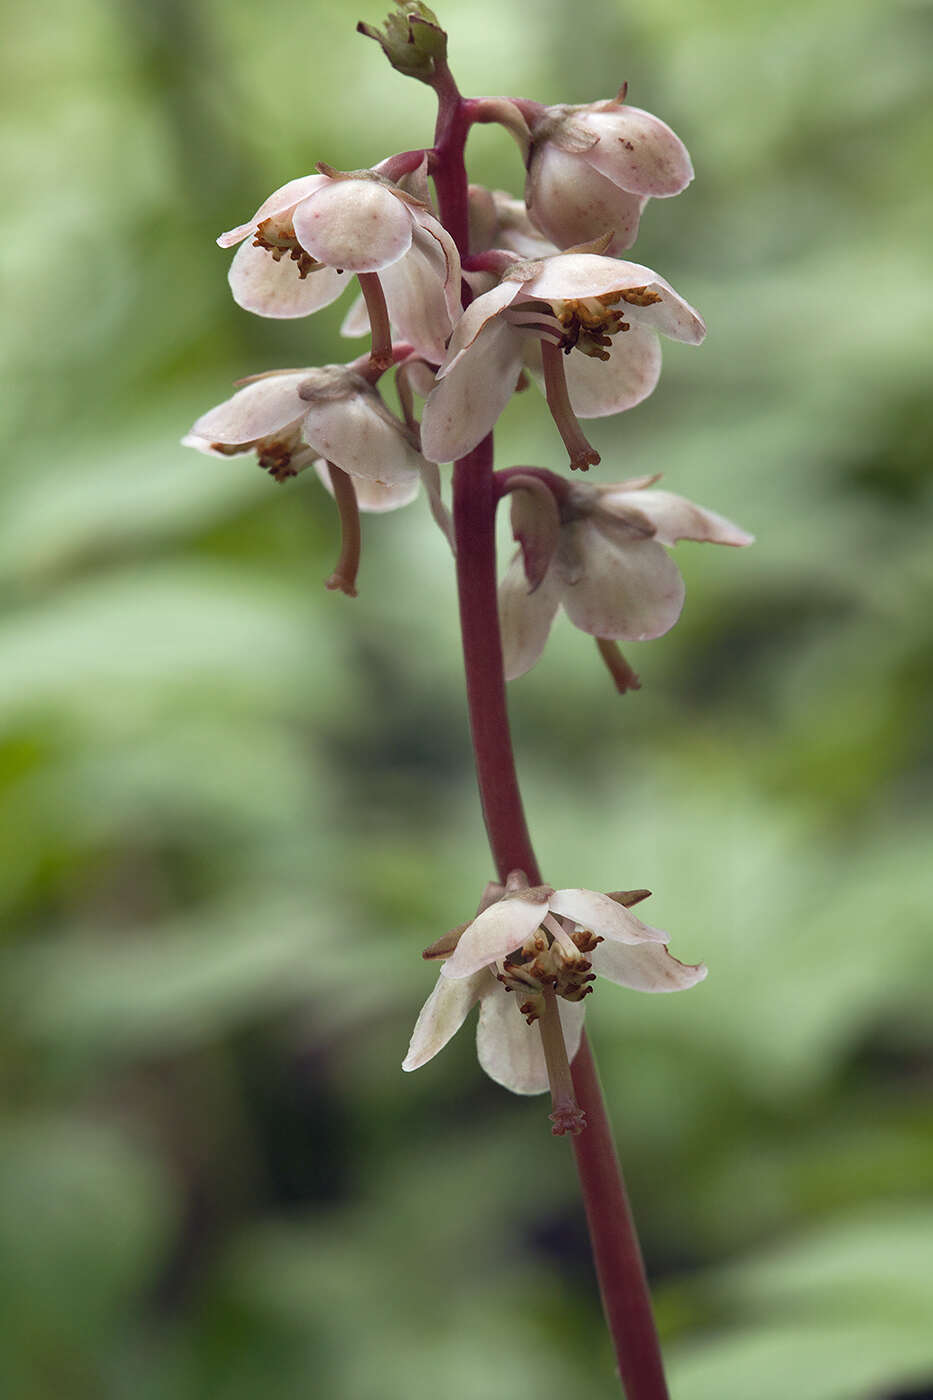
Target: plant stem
475,534
616,1252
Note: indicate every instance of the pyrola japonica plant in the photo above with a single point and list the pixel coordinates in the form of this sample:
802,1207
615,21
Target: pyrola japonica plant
465,295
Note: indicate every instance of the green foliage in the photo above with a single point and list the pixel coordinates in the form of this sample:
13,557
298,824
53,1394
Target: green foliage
235,807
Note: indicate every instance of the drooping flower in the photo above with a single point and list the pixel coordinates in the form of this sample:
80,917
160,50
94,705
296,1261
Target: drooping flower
593,168
307,235
526,948
607,569
290,417
602,313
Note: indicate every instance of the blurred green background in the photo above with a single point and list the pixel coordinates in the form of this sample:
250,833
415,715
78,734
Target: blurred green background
235,807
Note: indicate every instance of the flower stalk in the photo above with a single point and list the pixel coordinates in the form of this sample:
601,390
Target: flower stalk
614,1241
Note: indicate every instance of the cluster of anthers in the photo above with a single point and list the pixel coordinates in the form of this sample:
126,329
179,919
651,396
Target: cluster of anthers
538,288
590,325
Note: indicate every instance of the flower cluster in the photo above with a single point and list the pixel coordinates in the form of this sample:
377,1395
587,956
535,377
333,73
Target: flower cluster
531,955
464,301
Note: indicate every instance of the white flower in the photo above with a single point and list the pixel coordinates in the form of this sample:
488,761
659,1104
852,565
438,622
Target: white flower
313,230
604,314
290,417
592,169
525,945
607,567
499,220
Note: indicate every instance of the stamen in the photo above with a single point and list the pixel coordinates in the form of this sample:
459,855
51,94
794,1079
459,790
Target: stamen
344,575
582,455
373,295
566,1114
277,235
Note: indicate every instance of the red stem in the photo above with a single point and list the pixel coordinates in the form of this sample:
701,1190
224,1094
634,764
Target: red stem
475,531
616,1252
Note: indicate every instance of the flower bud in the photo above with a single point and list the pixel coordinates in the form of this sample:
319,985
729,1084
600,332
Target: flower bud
412,40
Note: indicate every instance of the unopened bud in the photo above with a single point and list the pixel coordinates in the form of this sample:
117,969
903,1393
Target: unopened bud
412,39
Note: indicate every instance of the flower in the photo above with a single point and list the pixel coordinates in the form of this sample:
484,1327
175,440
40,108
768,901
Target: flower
498,220
607,567
592,168
310,232
604,314
290,417
538,943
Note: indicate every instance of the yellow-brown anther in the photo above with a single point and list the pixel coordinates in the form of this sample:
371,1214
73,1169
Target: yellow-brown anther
277,236
275,457
589,322
544,962
639,296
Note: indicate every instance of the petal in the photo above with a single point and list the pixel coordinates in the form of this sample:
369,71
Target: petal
356,321
286,197
598,388
441,1017
463,407
475,319
416,297
639,152
357,225
676,518
256,411
524,617
270,288
358,433
604,917
201,444
373,496
628,590
510,1050
428,231
572,202
647,968
495,933
578,275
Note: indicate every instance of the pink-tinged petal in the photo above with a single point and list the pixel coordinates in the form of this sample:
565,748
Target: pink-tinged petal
441,1017
599,388
358,434
576,275
628,589
256,411
510,1050
201,444
524,618
475,319
269,288
647,968
374,497
463,407
639,152
495,933
430,231
517,231
416,298
676,518
356,321
604,917
357,225
572,276
282,199
573,203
